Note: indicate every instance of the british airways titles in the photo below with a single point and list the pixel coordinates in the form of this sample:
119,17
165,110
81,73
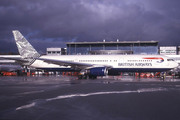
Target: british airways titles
134,64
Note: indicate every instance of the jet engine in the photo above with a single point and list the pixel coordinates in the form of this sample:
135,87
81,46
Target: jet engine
97,71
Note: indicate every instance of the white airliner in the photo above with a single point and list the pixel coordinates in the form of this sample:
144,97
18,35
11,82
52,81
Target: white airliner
92,65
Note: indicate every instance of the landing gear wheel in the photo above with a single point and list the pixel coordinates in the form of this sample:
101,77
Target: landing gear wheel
84,77
79,76
92,77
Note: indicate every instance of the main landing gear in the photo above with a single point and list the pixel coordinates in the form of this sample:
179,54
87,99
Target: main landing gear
86,77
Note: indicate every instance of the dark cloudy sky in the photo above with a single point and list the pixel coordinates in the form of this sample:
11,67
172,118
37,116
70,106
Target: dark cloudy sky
51,23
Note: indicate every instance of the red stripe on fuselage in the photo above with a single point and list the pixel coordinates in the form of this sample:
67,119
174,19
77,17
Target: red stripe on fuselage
154,58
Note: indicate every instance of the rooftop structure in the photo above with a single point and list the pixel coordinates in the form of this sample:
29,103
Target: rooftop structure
168,50
56,51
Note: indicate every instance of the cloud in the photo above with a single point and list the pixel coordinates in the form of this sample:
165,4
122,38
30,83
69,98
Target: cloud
89,20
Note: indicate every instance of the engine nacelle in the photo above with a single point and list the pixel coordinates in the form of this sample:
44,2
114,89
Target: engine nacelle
97,71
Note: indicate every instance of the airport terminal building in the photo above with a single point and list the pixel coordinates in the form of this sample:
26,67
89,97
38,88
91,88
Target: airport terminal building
118,47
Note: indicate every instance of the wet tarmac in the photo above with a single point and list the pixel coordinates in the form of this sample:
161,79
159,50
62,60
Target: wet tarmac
66,98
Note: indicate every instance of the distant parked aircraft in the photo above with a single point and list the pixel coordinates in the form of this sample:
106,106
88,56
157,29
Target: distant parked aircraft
9,68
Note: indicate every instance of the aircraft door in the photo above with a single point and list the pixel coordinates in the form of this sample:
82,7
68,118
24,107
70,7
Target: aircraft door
76,60
121,60
167,62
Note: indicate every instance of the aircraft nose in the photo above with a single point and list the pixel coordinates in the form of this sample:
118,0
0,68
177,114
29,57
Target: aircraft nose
176,64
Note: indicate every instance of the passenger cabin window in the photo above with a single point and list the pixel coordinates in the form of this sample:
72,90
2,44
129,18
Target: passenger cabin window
170,60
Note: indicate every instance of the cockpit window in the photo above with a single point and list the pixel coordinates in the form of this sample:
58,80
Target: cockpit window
170,60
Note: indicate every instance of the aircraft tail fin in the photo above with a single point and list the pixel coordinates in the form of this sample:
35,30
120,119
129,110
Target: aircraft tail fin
26,50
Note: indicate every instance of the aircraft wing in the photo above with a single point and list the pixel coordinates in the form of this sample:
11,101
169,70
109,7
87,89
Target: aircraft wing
76,65
10,67
19,60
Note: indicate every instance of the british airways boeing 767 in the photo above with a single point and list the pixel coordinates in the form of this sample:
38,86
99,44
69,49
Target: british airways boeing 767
92,65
